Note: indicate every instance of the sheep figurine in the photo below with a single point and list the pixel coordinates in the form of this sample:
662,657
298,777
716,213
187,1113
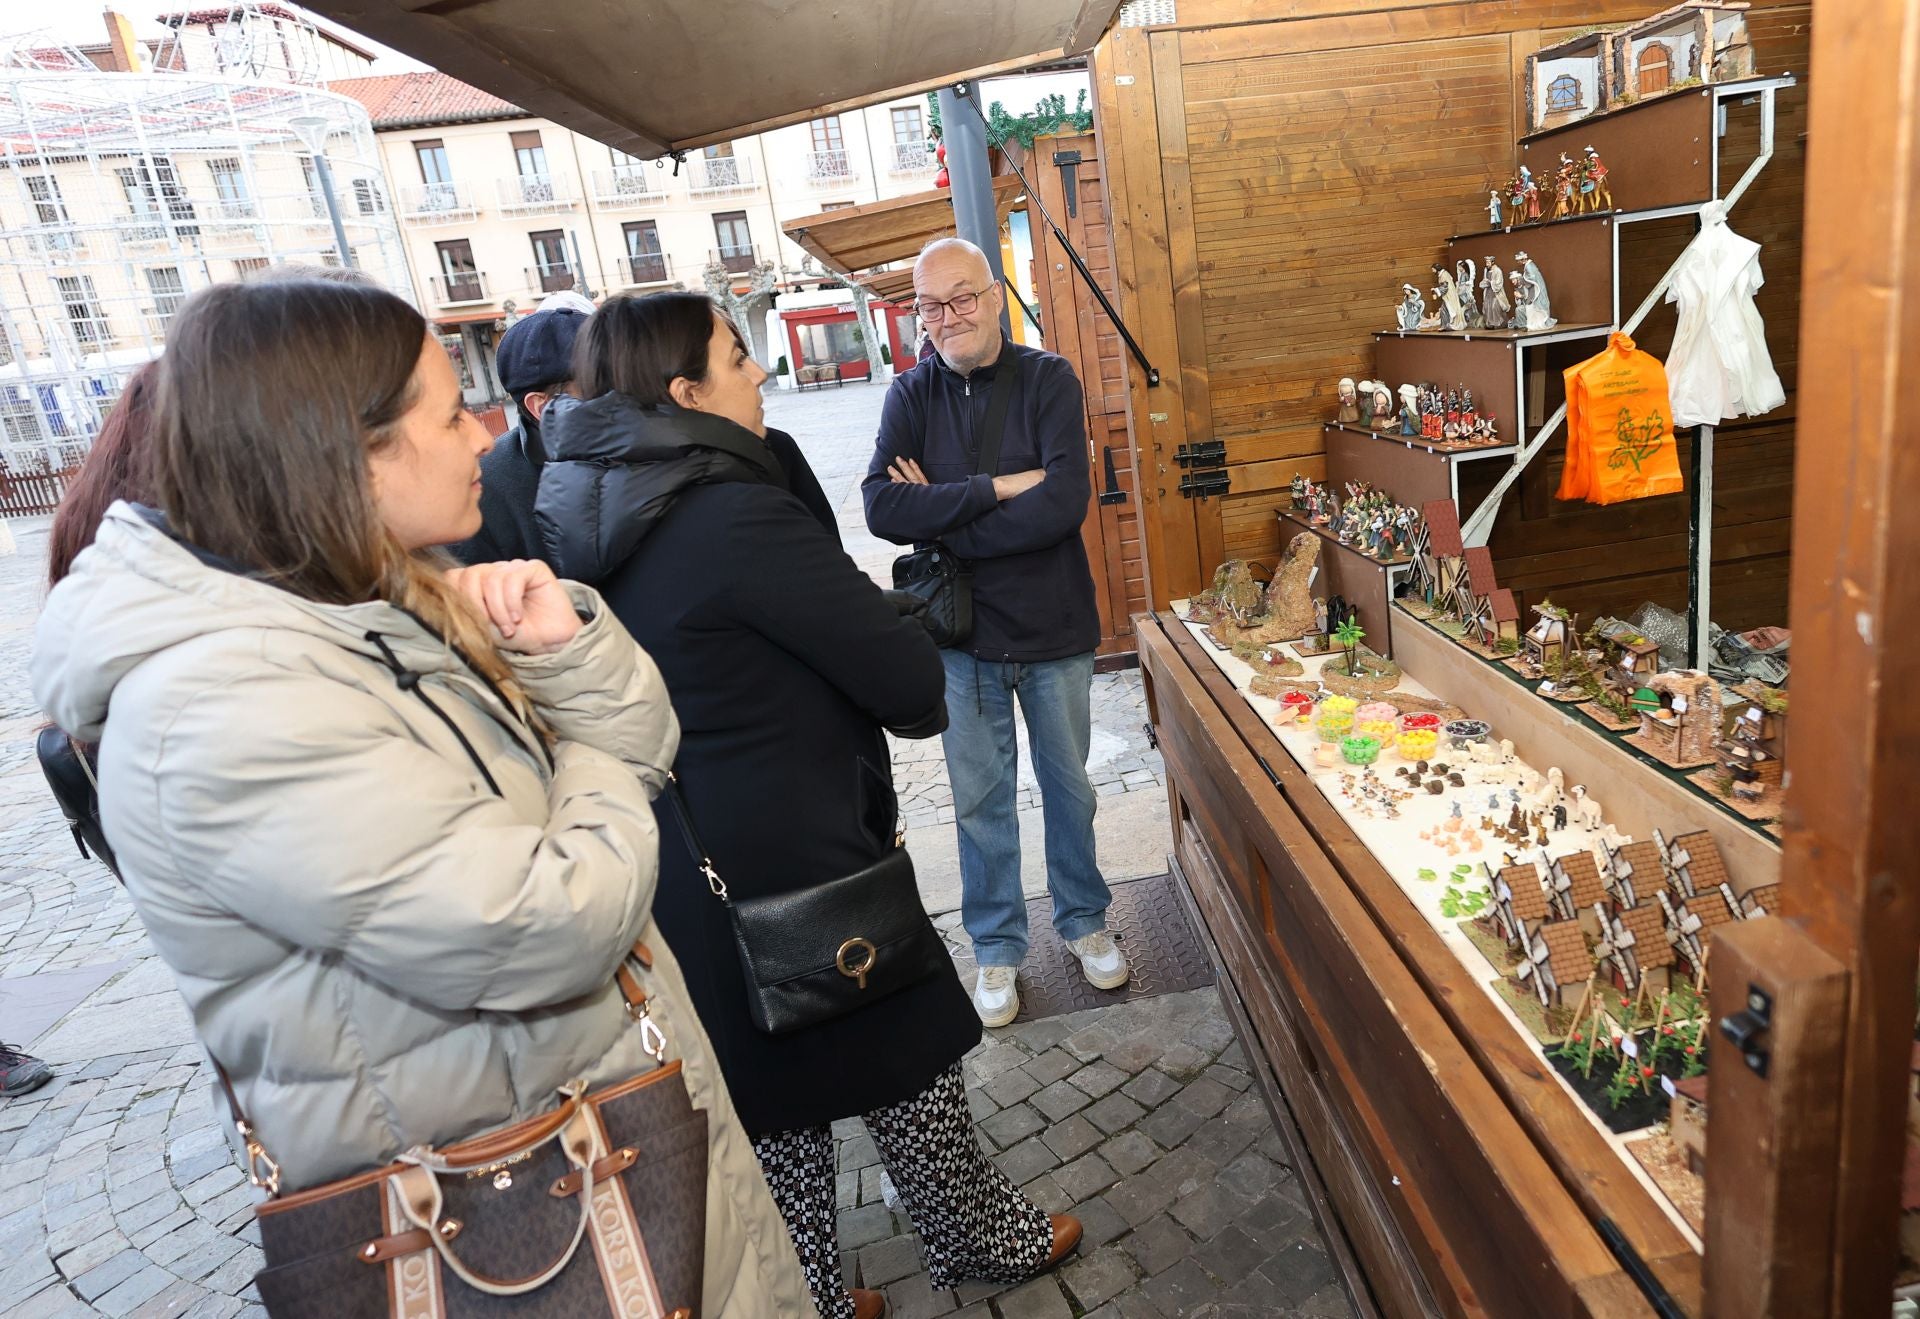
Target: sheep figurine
1585,808
1550,794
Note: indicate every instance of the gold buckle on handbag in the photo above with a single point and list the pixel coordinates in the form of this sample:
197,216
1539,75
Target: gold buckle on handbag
257,1157
860,963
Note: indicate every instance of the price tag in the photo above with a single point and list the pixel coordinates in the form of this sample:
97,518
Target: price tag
1666,1083
1629,1047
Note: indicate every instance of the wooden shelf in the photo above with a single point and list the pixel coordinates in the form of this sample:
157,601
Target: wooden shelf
1731,87
1327,534
1558,334
1414,442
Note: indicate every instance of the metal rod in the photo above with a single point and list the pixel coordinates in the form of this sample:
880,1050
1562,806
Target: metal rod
333,209
970,182
1643,1277
1700,545
1073,255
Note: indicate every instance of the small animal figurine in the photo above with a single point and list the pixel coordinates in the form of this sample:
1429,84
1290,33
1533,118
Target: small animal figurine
1493,207
1560,815
1585,808
1506,751
1456,810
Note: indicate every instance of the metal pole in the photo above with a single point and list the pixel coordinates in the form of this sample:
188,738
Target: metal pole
1700,556
975,217
333,209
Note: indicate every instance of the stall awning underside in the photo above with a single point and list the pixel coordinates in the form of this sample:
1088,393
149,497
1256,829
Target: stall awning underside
857,238
649,77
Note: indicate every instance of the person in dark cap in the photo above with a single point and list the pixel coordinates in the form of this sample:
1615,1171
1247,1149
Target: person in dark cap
535,363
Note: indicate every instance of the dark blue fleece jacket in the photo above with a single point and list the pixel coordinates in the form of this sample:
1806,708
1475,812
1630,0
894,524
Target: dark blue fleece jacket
1032,589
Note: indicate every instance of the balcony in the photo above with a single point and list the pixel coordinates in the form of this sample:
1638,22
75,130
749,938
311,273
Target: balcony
739,260
527,194
550,278
465,286
910,158
647,268
713,174
437,203
827,168
235,208
628,185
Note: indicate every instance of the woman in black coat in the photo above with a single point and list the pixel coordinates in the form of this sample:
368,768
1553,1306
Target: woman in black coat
710,539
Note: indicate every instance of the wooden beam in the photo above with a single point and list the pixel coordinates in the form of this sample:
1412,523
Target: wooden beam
1773,1140
894,229
1851,832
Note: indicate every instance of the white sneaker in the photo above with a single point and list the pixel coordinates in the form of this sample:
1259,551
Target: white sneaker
994,997
1105,965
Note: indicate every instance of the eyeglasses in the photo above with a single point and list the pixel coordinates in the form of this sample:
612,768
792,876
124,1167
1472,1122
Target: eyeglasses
934,312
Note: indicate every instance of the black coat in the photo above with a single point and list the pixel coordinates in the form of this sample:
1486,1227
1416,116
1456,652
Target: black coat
785,663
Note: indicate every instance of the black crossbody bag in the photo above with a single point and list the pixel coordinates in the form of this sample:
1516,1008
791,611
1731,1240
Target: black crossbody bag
935,573
822,952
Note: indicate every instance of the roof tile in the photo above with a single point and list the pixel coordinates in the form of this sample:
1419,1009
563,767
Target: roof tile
399,100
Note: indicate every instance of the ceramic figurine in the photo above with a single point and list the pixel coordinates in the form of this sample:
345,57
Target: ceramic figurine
1516,200
1533,314
1452,317
1493,207
1560,816
1382,406
1349,401
1469,419
1533,199
1496,312
1466,278
1432,415
1595,193
1563,186
1409,409
1412,311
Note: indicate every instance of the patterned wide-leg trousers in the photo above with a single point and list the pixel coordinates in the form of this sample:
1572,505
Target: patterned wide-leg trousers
974,1223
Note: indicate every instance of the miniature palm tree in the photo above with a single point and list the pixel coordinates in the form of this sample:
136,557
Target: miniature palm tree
1349,634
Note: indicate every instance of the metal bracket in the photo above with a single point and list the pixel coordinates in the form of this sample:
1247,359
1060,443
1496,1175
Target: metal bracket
1153,738
1202,484
1110,494
1746,1027
1069,163
1205,454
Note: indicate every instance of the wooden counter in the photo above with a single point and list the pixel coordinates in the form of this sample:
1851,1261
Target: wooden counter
1461,1176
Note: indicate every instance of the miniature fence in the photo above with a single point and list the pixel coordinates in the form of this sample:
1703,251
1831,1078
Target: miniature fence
25,494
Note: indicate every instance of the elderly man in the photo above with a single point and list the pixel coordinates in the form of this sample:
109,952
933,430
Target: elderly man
1035,622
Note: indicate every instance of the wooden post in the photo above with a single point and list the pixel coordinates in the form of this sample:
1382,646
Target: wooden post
1770,1249
1851,832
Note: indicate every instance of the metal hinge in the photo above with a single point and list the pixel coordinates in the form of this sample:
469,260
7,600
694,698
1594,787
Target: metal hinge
1206,454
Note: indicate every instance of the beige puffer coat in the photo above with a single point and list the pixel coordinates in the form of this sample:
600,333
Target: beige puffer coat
381,950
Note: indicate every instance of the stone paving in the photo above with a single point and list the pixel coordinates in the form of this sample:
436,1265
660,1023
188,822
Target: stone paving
120,1196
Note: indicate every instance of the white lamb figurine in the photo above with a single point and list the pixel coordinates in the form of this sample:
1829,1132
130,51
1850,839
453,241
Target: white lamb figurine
1585,809
1549,796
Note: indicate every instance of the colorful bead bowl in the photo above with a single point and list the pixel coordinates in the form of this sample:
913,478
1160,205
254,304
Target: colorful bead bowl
1380,730
1360,750
1417,743
1376,712
1421,719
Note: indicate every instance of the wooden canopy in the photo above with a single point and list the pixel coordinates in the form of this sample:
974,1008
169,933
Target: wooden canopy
892,285
857,238
650,79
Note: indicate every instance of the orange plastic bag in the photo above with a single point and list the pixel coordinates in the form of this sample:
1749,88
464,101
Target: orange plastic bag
1619,428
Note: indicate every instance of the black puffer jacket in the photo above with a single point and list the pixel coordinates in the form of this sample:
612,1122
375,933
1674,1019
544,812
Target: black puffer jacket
784,663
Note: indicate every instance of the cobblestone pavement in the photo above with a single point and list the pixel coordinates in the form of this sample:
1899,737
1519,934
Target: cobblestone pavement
121,1198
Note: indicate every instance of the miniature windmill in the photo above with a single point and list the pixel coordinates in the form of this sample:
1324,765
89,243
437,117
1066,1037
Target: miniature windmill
1691,923
1634,949
1575,888
1694,866
1519,902
1472,589
1635,872
1760,900
1437,552
1558,964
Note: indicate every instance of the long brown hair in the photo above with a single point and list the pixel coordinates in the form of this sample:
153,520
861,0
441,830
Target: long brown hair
114,468
272,396
638,345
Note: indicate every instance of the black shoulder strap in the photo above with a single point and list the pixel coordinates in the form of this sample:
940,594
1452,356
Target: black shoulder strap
988,458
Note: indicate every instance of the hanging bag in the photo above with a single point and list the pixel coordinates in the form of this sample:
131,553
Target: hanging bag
598,1207
1624,425
821,952
935,573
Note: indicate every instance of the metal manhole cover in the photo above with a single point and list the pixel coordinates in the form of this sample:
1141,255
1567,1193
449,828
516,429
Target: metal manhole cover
1149,924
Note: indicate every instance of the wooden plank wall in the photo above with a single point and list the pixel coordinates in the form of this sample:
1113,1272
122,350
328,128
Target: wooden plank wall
1311,161
1078,329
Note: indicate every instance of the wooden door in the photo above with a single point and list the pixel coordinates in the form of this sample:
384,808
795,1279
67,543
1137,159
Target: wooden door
1067,173
1656,69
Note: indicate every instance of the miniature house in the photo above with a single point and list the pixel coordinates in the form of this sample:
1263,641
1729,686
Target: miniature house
1567,82
1500,620
1699,41
1638,660
1575,889
1473,586
1687,1121
1694,866
1690,925
1550,637
1519,903
1440,568
1634,873
1760,900
1558,964
1634,950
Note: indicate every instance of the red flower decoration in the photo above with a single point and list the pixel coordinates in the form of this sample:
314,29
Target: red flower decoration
1689,1048
1575,1037
1646,1071
1616,1041
1666,1030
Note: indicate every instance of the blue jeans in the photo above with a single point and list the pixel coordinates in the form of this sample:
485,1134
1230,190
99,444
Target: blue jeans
982,764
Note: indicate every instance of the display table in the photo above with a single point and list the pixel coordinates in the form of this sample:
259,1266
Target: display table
1464,1174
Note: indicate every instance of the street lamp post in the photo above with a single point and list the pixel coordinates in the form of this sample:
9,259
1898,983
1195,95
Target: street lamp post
311,129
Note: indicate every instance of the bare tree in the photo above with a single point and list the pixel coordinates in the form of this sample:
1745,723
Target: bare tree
747,310
863,307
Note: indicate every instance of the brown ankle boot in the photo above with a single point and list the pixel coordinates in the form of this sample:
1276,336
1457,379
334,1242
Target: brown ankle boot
869,1304
1066,1236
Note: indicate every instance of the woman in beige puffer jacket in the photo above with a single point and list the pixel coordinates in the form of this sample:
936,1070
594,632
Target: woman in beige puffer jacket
393,874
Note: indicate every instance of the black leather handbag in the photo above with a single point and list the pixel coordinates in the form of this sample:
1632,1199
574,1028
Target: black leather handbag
935,573
69,767
821,952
